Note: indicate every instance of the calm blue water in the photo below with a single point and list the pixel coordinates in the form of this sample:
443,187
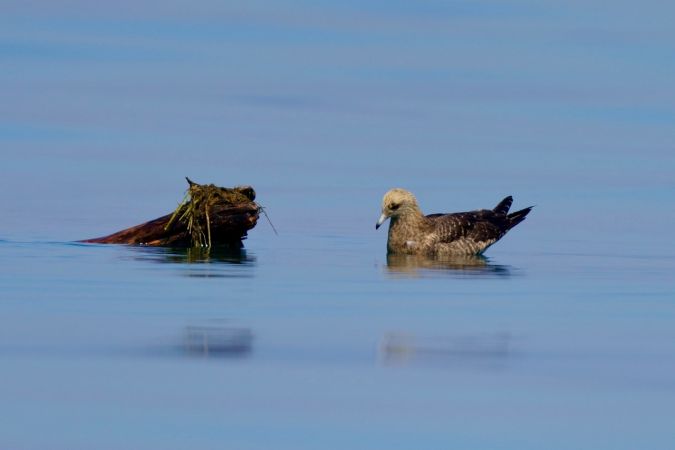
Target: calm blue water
563,337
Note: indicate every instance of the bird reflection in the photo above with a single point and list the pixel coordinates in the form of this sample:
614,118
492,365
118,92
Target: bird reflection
470,265
489,350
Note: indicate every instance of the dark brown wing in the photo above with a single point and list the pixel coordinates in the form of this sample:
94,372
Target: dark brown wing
479,226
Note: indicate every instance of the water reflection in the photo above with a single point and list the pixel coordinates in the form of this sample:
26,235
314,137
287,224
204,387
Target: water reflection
415,265
217,340
486,350
198,262
191,255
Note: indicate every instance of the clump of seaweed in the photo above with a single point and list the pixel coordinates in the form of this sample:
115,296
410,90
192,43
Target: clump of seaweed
194,211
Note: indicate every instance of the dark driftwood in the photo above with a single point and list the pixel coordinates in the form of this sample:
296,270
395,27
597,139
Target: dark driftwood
229,223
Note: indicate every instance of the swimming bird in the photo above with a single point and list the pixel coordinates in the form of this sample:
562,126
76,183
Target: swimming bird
462,233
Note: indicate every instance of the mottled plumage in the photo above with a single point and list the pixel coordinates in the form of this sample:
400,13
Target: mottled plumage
463,233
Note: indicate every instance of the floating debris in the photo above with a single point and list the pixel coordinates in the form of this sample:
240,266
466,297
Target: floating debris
208,216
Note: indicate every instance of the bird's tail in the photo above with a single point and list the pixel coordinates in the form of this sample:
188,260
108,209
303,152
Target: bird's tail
504,205
516,217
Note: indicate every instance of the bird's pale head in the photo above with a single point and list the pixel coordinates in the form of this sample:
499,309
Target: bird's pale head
397,202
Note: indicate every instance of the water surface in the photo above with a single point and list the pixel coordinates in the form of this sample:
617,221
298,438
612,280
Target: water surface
562,336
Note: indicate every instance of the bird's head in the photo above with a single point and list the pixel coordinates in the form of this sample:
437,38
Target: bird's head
396,203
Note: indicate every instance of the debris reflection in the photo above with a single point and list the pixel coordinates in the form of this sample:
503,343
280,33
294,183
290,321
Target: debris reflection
199,262
217,340
191,255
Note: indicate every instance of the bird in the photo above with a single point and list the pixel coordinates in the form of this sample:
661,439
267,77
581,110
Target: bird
461,233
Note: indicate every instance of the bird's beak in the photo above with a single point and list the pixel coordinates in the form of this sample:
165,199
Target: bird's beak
380,221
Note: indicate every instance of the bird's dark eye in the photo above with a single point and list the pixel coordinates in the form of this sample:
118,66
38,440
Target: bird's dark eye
394,206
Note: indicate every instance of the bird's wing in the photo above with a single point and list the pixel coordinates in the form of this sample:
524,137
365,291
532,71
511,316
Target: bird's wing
479,226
